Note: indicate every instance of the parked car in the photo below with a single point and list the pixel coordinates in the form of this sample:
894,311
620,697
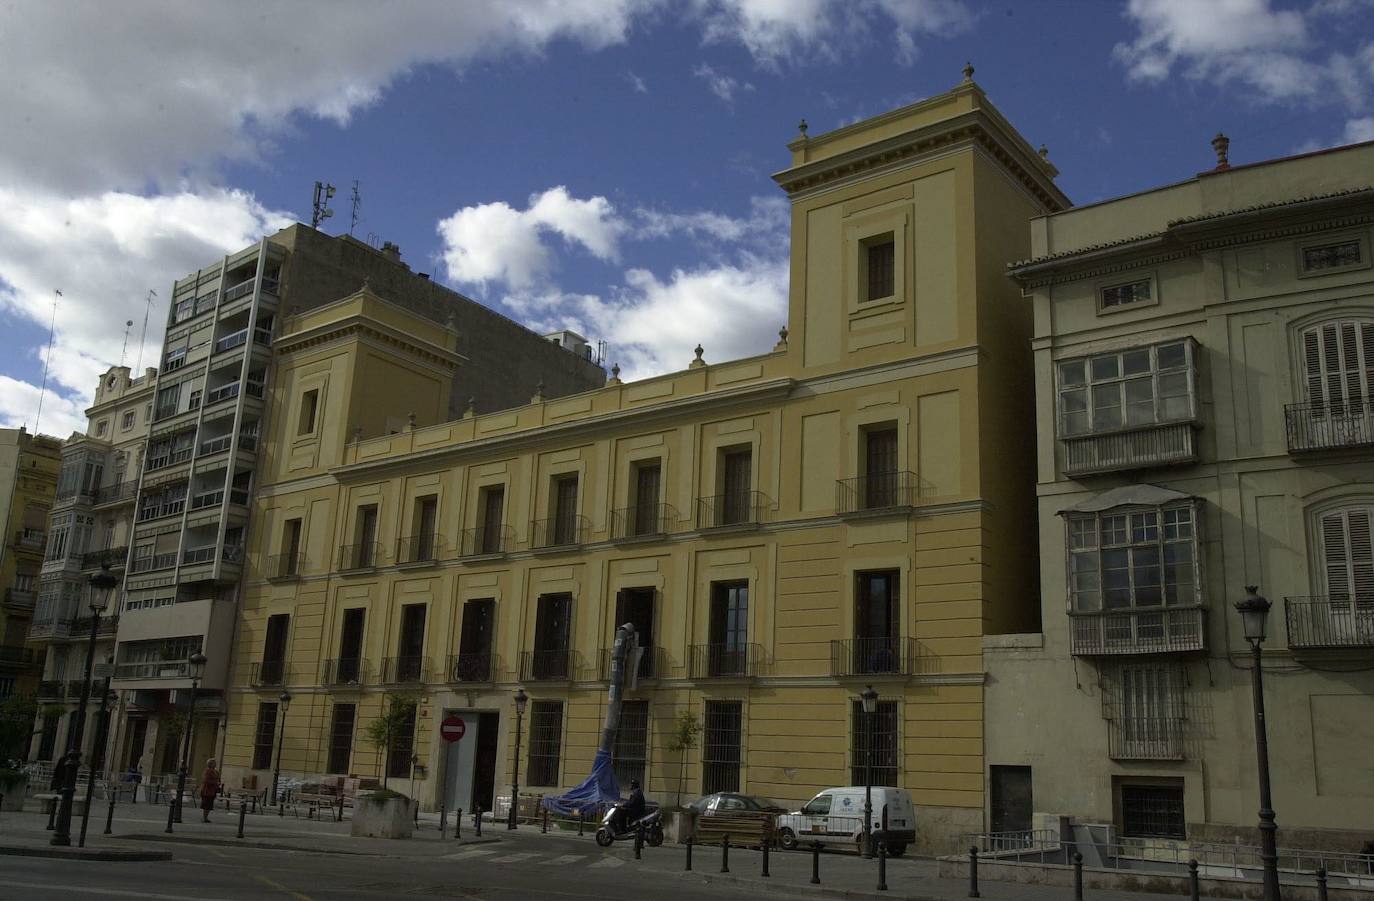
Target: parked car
836,817
733,802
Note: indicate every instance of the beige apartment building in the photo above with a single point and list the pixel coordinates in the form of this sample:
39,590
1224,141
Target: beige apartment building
848,509
28,479
1204,360
90,525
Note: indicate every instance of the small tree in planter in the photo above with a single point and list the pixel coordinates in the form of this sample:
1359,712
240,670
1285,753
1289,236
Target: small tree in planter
397,713
683,740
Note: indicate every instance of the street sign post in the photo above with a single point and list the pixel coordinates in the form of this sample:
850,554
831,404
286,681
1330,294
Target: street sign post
453,728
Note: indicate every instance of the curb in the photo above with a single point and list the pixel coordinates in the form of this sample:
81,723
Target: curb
83,853
279,846
769,886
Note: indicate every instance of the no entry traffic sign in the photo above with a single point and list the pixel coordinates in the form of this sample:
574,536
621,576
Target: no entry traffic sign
453,728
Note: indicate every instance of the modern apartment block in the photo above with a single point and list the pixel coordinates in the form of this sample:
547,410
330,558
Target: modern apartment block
28,479
90,525
782,530
1204,361
214,398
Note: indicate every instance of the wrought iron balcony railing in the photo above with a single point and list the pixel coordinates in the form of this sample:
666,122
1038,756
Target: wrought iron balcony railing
1145,738
285,566
894,656
20,598
739,508
114,556
647,521
405,669
30,539
267,673
653,663
81,626
162,669
345,672
559,531
119,493
363,555
52,688
1329,426
425,548
483,541
554,665
1167,444
1330,621
725,661
479,666
1158,630
877,491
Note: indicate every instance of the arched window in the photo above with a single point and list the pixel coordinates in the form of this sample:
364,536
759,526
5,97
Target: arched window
1347,556
1338,367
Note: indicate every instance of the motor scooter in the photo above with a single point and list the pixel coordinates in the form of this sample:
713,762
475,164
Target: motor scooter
652,822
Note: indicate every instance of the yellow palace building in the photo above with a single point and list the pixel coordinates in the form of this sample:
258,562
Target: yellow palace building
854,507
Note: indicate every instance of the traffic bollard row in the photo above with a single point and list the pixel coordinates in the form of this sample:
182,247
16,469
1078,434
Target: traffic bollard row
443,822
973,872
477,820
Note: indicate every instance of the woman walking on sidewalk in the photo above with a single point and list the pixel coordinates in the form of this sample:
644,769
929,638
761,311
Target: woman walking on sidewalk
209,788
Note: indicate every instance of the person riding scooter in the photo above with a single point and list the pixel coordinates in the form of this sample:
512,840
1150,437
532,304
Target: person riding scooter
632,809
623,820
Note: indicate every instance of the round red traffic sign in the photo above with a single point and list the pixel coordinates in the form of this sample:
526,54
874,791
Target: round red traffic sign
453,727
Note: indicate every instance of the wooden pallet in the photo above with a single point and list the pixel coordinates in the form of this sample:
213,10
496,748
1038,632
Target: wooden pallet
749,829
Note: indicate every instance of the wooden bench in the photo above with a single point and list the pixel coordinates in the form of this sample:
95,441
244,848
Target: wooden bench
316,803
747,829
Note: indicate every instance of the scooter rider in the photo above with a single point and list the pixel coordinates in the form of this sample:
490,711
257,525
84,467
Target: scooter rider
633,808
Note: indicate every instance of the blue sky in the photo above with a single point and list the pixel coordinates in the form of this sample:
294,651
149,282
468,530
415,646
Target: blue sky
602,164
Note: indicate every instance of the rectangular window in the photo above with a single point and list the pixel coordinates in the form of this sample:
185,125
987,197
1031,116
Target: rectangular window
341,737
1131,389
631,753
274,650
1338,361
264,735
422,544
1152,811
1331,256
877,622
546,741
474,644
880,467
402,743
729,647
722,740
1347,539
879,263
349,667
291,548
128,421
552,628
364,552
636,606
647,519
490,532
1133,558
167,400
1144,707
564,512
411,648
1128,293
736,503
309,401
878,759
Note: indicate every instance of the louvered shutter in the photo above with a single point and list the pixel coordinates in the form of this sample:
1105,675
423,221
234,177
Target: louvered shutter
1361,556
1338,364
1348,553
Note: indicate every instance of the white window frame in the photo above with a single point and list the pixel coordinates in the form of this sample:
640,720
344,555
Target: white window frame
1344,537
1336,357
1156,373
1128,530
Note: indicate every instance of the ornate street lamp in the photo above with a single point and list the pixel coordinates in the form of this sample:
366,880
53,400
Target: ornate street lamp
284,701
521,699
870,704
1254,611
196,666
102,583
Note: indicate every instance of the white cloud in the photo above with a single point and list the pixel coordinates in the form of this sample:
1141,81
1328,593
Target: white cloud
61,415
638,83
723,86
1357,131
764,227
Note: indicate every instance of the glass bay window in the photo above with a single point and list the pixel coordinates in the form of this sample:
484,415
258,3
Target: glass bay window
1124,559
1135,388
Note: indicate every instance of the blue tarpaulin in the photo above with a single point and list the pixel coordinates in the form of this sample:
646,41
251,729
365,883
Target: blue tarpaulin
600,788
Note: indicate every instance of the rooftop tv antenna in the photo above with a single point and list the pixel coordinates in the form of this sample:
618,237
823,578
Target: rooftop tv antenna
320,210
357,202
143,339
47,360
128,324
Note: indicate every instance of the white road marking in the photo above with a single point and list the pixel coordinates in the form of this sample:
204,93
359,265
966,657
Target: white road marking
514,858
470,853
564,859
608,862
48,889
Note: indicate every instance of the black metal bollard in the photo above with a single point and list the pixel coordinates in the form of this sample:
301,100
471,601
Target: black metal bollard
1192,880
477,820
725,854
973,872
639,842
458,824
689,855
52,814
581,820
109,815
882,866
2,801
764,844
544,826
243,808
255,802
815,863
1077,876
443,822
1321,883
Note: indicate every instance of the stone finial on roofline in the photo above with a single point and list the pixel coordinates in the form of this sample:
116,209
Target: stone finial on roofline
1222,145
698,362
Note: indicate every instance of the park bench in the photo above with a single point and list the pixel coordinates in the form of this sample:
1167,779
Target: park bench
748,829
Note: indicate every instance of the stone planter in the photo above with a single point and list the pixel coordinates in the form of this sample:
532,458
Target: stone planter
383,817
13,788
679,826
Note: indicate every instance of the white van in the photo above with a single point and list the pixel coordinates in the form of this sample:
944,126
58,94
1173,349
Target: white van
836,817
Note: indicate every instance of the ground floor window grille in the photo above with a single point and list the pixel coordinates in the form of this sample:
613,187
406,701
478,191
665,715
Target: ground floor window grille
263,735
720,747
1144,708
402,746
632,743
1152,811
546,742
341,737
882,765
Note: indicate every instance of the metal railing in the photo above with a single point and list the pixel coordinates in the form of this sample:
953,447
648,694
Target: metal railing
52,688
725,661
1154,445
877,491
116,493
739,508
893,656
207,499
342,672
223,392
215,445
199,555
546,666
115,556
285,566
558,531
163,669
472,667
653,663
244,288
1145,738
363,555
1161,630
1329,426
405,669
648,521
483,541
1330,621
81,626
266,673
20,597
156,561
32,539
419,548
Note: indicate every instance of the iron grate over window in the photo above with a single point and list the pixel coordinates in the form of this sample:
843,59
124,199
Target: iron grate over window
720,748
341,737
546,742
1152,811
263,736
632,743
883,762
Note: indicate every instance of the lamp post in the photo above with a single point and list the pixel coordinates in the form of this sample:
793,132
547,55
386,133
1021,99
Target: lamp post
101,585
870,703
285,701
196,665
1254,611
521,699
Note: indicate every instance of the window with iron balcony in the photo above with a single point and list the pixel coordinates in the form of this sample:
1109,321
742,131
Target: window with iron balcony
1128,409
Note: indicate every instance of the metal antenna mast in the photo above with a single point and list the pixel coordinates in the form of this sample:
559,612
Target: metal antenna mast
123,351
144,338
47,361
320,210
357,206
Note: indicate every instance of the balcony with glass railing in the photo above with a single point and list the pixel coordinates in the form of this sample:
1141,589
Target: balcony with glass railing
1153,630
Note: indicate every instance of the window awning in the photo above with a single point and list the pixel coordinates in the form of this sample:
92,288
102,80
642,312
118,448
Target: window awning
1128,496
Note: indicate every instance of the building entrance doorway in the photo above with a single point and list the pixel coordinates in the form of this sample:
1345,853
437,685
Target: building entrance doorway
1011,801
138,737
470,763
